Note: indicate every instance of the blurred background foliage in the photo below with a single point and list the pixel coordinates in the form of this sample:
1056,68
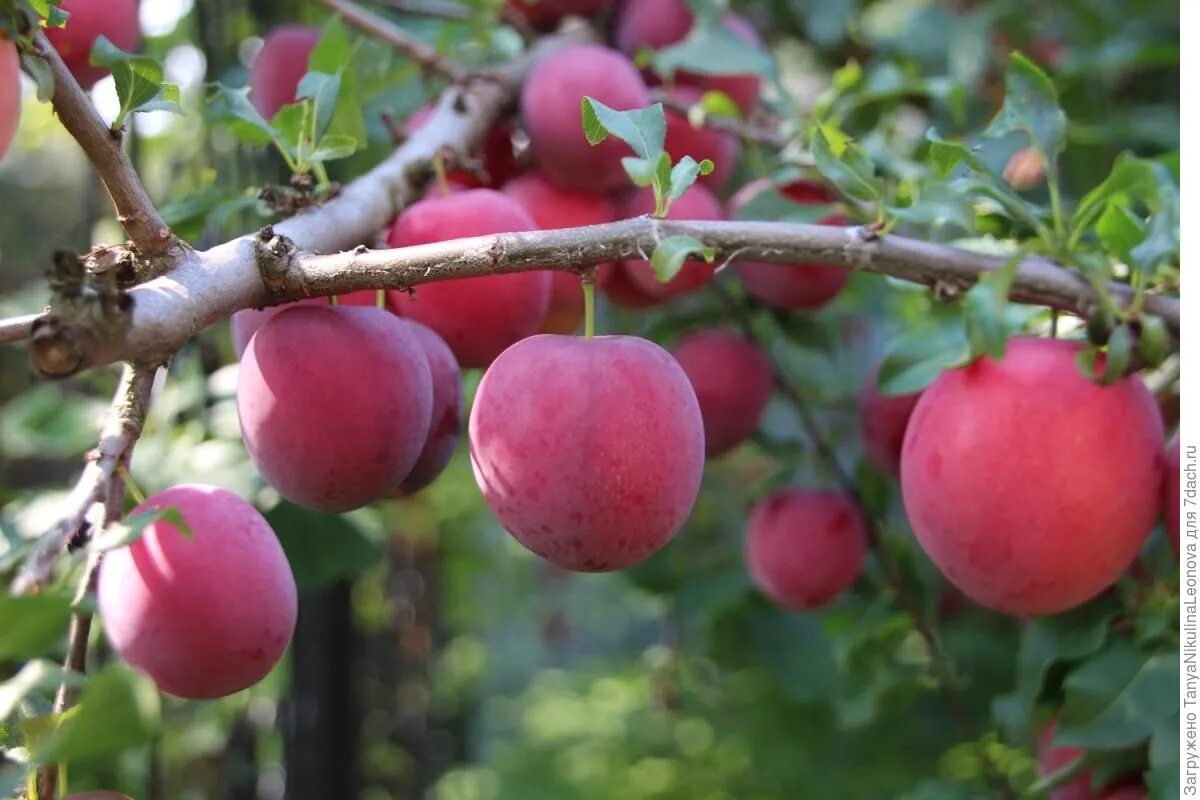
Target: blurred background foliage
437,658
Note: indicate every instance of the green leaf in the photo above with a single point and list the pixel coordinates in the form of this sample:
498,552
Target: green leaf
938,208
1119,230
37,68
644,171
233,108
335,54
684,174
321,548
48,10
139,79
1130,177
1117,354
333,50
118,709
710,48
797,651
1047,641
332,147
912,362
1119,698
715,103
291,123
322,89
668,258
33,624
643,129
1031,107
38,675
946,157
1161,243
844,163
983,309
125,533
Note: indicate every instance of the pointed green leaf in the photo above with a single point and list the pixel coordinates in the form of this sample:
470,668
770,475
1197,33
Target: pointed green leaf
912,362
1045,642
845,164
129,530
1119,698
322,89
233,108
671,253
1031,107
31,625
333,147
711,48
643,129
642,171
983,309
117,709
138,78
684,174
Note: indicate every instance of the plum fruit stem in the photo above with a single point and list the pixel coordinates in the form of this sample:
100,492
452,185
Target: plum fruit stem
439,172
588,280
381,298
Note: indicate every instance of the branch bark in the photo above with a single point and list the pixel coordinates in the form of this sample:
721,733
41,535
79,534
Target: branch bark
135,211
17,329
97,485
252,272
397,38
171,308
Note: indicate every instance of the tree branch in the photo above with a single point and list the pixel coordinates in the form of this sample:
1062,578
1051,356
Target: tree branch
17,329
397,38
168,306
135,211
97,485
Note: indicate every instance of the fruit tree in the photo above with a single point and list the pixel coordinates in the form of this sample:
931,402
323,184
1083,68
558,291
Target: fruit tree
664,399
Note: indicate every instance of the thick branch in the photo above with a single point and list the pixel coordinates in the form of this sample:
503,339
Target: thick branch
136,213
397,38
171,309
203,287
120,431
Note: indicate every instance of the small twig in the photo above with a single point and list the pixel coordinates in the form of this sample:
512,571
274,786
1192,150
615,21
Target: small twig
395,128
398,39
135,211
120,430
78,632
748,131
17,329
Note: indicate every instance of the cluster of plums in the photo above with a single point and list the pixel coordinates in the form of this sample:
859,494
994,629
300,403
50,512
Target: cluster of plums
1031,487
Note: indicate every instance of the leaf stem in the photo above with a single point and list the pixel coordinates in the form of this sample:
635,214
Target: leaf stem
130,484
